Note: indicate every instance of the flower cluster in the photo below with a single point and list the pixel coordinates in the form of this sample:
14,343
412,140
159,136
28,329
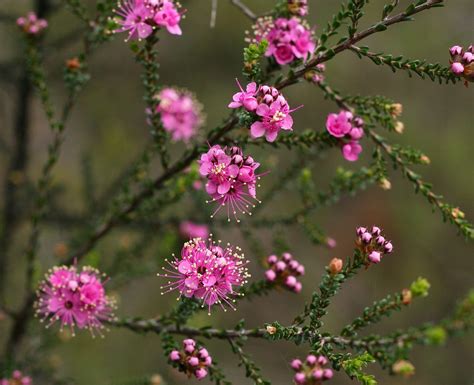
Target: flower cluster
312,371
141,17
31,24
298,7
284,271
231,179
74,298
207,271
180,113
288,39
191,360
316,76
349,130
17,378
270,106
191,230
462,62
373,244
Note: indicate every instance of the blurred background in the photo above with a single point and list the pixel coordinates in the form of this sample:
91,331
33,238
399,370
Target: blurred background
108,131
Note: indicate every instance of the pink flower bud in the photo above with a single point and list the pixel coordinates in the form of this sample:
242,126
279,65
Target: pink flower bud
376,230
193,361
457,68
300,378
290,281
455,50
189,349
328,373
322,360
360,231
366,237
189,341
375,257
287,257
388,247
380,240
175,356
208,361
311,359
272,259
300,270
296,364
203,353
270,275
318,374
280,266
298,287
294,265
200,373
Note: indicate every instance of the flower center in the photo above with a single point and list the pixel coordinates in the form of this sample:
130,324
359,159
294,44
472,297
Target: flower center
68,305
218,168
278,116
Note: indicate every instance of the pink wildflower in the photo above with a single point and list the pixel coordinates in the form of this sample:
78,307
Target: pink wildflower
208,272
190,229
31,24
270,107
312,371
373,244
351,151
288,39
284,271
348,129
180,113
462,62
74,298
192,360
231,179
141,17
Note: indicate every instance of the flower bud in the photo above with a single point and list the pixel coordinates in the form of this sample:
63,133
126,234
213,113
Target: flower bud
318,374
385,184
396,109
200,373
406,296
296,364
271,329
399,127
297,288
375,257
388,247
300,378
335,266
175,356
272,259
404,368
193,361
457,68
366,237
311,359
327,374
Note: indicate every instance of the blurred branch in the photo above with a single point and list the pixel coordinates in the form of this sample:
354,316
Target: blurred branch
245,10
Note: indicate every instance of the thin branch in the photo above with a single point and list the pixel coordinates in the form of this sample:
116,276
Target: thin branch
245,10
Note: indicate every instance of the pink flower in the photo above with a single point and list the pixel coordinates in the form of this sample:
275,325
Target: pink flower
457,68
180,113
31,24
339,125
141,17
351,151
373,244
75,299
313,369
231,179
192,359
207,272
285,271
288,39
189,230
274,118
298,7
245,98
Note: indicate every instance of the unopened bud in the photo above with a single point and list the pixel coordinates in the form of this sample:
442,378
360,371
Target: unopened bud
425,160
404,368
385,184
396,109
457,213
406,296
335,266
271,329
399,127
73,64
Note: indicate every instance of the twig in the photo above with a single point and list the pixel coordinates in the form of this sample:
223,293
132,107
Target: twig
245,10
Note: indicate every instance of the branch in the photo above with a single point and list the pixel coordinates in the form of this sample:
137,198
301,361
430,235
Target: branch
245,10
346,44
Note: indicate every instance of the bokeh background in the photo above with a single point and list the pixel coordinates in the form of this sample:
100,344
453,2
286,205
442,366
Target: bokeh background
108,129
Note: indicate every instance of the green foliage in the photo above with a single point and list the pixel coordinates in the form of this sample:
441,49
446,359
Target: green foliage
420,287
253,55
354,369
